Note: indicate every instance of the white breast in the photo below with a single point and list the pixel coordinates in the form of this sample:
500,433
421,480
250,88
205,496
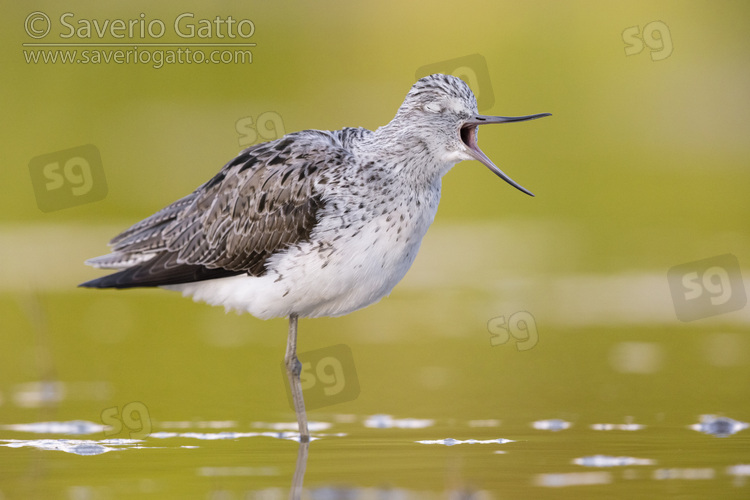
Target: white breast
348,264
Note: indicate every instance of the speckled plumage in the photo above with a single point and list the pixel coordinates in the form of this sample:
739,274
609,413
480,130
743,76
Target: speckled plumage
316,223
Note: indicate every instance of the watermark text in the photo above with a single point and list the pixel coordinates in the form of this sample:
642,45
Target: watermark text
68,178
132,419
328,377
519,326
655,35
707,287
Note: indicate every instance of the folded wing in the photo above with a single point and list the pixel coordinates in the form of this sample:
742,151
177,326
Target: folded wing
265,200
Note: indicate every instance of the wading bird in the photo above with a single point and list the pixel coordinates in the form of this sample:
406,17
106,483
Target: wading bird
316,223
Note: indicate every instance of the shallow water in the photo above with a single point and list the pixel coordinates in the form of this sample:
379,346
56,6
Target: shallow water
383,457
192,404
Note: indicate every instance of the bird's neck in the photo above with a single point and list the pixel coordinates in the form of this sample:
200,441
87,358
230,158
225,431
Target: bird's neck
408,153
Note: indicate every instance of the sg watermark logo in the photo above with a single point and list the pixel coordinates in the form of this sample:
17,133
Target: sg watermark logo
473,70
328,377
707,287
655,36
133,419
266,127
67,178
520,326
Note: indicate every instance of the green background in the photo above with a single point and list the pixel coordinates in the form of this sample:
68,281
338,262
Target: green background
643,166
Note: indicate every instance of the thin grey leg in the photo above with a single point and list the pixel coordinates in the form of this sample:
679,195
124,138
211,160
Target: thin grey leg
293,370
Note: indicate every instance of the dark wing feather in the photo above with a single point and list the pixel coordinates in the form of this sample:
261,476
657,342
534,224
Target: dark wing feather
260,203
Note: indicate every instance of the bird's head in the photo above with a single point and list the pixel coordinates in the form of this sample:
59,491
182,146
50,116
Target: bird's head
440,112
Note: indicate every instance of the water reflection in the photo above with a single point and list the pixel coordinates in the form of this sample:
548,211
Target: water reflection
452,442
533,473
193,424
71,427
388,422
609,461
637,357
299,470
719,426
292,426
572,479
46,393
75,446
237,471
740,472
484,423
213,436
617,427
684,473
627,426
554,424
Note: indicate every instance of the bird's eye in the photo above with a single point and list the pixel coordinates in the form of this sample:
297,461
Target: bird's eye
433,107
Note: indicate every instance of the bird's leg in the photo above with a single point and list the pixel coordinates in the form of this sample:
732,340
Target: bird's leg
293,370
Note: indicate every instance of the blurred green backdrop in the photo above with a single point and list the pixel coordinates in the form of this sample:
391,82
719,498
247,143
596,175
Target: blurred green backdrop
643,166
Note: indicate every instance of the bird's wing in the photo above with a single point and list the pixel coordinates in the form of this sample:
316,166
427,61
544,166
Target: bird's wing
261,202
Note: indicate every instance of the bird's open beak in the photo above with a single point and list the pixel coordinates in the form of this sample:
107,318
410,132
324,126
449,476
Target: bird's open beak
469,138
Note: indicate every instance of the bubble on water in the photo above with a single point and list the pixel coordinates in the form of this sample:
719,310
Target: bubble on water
719,426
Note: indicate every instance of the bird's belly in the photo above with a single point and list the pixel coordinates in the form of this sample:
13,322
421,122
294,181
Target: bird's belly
356,268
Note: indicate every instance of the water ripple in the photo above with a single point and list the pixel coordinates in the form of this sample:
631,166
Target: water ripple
453,442
75,446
